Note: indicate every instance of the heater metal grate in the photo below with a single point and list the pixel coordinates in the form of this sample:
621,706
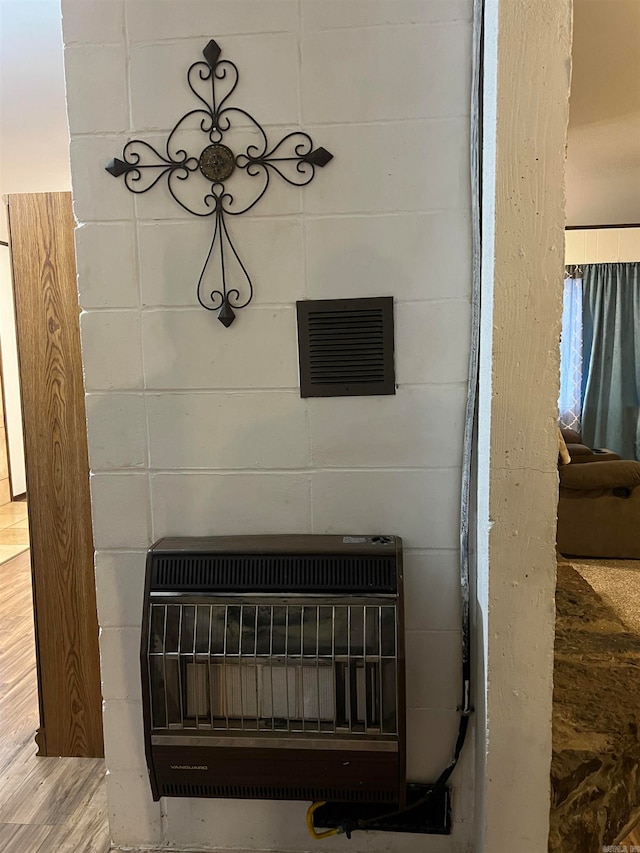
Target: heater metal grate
290,667
308,573
273,666
254,792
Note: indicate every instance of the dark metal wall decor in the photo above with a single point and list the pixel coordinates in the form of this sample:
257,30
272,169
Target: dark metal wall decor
293,158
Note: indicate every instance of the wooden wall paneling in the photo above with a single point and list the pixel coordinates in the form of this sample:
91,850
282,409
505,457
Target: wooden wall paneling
44,274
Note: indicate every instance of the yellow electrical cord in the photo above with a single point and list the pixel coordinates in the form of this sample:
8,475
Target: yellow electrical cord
312,831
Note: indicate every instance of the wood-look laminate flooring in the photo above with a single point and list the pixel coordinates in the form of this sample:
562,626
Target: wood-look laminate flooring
47,805
14,530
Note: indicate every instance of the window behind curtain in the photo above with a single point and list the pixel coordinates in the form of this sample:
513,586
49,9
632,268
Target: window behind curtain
569,402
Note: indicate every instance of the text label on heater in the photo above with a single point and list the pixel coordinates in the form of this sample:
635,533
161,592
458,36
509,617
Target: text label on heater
189,766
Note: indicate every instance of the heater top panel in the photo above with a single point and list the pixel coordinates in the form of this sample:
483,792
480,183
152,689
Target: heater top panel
279,544
296,563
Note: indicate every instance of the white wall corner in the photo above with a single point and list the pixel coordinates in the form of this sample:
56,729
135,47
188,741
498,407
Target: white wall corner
527,76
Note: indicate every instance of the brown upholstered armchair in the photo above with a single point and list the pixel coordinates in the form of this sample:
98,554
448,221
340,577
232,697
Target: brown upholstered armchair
580,453
599,505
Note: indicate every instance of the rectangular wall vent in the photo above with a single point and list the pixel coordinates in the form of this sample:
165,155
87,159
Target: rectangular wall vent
346,347
273,666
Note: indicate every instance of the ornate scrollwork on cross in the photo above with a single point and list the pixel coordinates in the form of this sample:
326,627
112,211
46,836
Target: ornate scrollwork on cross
293,158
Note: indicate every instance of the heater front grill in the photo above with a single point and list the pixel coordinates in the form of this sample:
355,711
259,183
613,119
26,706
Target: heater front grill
273,667
303,573
265,667
272,792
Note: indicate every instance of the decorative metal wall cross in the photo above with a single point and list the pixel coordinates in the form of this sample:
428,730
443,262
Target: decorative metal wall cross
293,158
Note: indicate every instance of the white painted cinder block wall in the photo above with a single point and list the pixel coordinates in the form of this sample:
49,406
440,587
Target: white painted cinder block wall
602,246
195,429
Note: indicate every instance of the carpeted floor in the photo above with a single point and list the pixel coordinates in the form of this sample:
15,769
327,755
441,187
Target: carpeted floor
596,717
617,582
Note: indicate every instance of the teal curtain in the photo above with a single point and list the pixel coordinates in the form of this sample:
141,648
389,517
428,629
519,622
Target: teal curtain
611,357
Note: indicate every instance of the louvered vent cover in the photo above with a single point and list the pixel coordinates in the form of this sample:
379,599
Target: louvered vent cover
286,573
276,792
346,347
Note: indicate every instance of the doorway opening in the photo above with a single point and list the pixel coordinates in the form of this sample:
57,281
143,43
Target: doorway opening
598,589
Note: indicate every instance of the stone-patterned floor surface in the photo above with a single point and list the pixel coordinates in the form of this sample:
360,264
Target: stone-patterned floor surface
596,714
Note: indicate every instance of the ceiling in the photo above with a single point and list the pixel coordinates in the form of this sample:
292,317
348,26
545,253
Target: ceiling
603,167
606,60
34,136
603,164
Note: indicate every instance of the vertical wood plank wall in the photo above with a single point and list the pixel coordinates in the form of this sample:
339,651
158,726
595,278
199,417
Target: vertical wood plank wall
44,274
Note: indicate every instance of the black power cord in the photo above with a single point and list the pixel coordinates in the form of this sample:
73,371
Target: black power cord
349,827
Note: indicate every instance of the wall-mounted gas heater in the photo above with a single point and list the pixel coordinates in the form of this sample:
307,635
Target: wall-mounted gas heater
273,667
